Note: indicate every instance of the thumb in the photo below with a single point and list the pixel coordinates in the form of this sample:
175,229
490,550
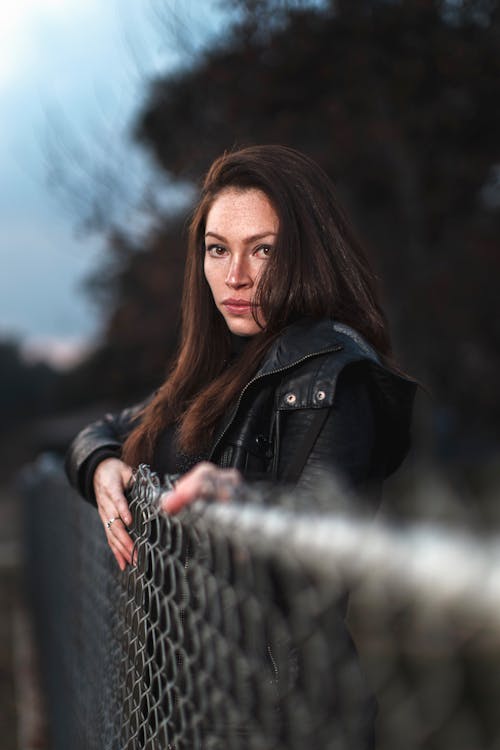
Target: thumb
126,474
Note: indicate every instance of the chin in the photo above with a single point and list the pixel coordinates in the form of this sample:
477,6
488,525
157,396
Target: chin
243,327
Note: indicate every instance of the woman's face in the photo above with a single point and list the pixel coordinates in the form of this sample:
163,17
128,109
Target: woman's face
240,234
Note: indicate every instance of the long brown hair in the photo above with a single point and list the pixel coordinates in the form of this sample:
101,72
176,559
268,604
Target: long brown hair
318,269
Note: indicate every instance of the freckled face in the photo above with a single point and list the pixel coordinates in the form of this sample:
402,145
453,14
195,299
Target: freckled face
240,233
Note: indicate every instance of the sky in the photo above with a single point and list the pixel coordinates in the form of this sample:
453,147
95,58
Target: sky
72,74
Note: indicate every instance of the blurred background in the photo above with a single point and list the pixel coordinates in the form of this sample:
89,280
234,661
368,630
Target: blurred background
111,113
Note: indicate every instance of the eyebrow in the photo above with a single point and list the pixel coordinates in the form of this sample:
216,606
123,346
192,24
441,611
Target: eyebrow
247,240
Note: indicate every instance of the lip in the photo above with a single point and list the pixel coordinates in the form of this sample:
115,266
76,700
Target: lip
237,306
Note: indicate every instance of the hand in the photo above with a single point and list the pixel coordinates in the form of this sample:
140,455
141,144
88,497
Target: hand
205,480
110,479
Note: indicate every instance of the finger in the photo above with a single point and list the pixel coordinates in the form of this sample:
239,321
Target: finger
115,532
127,473
201,481
208,483
121,538
114,495
226,482
112,501
166,503
125,514
122,563
110,480
121,504
120,559
187,489
172,502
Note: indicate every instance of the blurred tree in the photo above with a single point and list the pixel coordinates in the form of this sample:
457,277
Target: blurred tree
398,100
30,393
140,287
27,390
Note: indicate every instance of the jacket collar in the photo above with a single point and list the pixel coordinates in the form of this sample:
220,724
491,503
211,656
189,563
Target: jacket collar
308,338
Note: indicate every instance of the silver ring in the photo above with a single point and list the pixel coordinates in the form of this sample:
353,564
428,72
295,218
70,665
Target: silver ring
111,521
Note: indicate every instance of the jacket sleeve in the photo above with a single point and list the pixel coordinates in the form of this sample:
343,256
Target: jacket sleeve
99,440
346,445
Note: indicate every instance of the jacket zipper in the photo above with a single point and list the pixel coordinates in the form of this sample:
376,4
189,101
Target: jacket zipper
265,375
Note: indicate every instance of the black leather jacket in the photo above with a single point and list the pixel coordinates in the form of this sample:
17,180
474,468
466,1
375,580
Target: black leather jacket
321,401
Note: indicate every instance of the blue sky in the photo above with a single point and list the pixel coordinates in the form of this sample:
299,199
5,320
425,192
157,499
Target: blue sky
72,73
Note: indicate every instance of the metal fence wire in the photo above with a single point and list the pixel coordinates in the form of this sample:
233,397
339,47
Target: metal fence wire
230,631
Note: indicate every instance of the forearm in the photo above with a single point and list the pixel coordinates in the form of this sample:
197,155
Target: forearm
99,440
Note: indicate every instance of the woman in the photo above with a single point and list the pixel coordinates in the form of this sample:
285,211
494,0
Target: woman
284,367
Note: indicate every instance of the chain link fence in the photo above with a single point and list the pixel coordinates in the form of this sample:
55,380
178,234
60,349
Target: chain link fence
230,632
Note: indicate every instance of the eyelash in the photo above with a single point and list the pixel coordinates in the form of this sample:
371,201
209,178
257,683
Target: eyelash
212,248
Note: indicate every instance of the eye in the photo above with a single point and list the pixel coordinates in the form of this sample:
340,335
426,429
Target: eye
264,251
215,251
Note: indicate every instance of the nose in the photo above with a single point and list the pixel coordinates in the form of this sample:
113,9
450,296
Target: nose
238,274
